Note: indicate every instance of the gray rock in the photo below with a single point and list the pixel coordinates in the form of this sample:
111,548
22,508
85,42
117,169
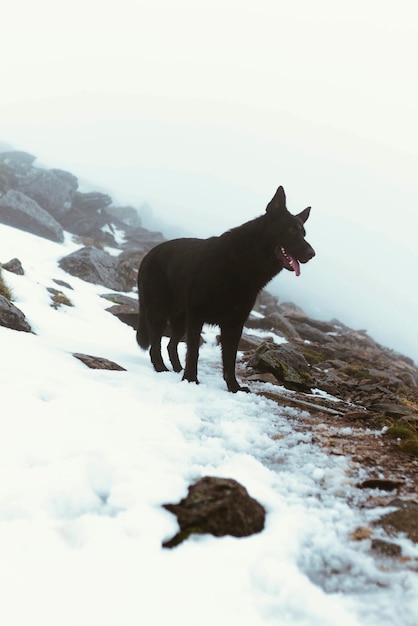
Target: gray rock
17,161
98,362
96,266
288,366
53,190
125,215
12,317
312,333
14,266
91,202
17,210
275,322
219,506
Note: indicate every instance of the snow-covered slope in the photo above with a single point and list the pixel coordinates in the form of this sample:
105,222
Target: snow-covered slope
87,458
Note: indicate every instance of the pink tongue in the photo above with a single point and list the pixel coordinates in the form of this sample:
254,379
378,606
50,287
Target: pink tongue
295,264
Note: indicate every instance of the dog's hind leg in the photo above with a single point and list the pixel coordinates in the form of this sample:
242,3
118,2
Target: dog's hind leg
178,329
194,328
157,327
230,336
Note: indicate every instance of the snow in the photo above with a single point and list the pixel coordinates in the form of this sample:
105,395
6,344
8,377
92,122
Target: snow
87,458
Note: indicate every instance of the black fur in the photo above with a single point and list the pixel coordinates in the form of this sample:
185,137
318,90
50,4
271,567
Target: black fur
189,282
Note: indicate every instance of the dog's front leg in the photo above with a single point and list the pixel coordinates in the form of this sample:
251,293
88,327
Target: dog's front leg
230,337
193,330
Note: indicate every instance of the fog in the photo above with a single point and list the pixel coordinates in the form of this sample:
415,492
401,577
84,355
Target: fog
201,109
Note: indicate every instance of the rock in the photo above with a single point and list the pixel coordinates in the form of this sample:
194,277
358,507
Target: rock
125,216
58,298
125,313
90,202
250,342
404,520
19,211
96,266
292,311
120,298
98,363
12,317
386,548
17,161
62,283
53,190
219,506
391,409
311,333
381,483
274,322
14,266
288,366
141,240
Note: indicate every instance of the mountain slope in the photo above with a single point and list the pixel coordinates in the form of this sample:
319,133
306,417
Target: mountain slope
89,456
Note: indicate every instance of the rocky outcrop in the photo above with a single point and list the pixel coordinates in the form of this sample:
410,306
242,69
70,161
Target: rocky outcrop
20,211
218,506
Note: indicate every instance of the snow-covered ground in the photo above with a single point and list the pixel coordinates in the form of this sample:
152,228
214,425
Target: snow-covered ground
87,458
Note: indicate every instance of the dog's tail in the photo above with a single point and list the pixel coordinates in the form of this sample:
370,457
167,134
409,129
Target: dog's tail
142,333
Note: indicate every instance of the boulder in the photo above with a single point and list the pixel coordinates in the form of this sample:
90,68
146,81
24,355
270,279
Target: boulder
288,366
96,266
12,317
219,506
20,211
53,190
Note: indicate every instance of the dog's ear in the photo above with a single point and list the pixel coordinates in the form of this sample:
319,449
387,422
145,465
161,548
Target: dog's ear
303,216
278,202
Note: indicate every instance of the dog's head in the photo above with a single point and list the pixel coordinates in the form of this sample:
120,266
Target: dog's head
290,245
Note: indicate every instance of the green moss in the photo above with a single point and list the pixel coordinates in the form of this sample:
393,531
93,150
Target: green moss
356,371
401,431
410,446
313,355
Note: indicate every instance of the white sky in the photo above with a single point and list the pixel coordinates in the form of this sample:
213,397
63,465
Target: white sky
203,108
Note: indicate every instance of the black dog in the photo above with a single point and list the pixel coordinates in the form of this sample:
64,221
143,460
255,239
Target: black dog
189,282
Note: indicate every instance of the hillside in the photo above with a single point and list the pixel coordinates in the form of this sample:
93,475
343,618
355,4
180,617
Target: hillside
94,446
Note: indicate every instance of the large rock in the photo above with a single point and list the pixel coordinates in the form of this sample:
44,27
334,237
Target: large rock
219,506
98,267
17,210
53,190
12,317
287,365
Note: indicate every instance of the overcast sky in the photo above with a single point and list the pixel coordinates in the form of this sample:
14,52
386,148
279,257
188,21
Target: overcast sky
202,108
